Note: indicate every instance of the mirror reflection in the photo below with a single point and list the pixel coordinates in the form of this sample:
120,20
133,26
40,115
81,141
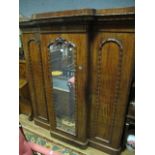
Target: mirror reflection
63,83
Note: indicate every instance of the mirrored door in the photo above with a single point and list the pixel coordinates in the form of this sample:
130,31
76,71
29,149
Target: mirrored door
62,71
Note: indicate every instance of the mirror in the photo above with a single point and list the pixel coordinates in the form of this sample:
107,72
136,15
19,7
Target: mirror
62,69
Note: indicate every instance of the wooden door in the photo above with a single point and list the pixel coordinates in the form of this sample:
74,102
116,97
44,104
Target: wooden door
111,68
32,48
65,77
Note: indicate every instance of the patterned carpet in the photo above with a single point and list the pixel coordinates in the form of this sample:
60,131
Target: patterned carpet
49,144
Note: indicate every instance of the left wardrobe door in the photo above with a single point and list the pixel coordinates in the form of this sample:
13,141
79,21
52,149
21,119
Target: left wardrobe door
32,48
65,65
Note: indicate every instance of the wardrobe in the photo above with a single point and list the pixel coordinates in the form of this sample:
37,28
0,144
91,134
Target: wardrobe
80,65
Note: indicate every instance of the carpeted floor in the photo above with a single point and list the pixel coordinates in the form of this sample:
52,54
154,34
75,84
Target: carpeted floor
30,136
42,136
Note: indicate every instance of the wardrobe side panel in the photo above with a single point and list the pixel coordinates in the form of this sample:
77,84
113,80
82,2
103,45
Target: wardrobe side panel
35,75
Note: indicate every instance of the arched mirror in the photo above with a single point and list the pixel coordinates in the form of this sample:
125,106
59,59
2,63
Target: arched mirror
62,69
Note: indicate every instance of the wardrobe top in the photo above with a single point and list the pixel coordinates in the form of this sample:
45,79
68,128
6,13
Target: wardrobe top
87,14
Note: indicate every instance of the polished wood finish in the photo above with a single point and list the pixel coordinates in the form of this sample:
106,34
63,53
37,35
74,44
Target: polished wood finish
81,76
67,13
77,13
104,61
22,69
111,67
25,106
36,81
115,11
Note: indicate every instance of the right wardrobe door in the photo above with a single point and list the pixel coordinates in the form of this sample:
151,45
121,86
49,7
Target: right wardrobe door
112,63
